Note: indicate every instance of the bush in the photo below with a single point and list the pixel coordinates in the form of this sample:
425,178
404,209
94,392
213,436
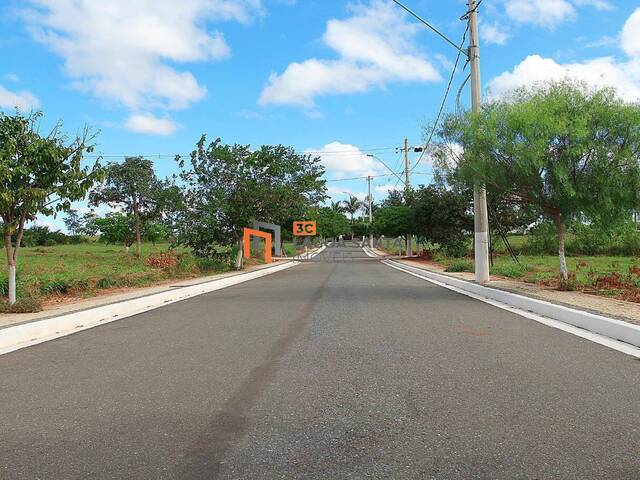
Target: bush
55,287
542,240
460,266
166,260
22,305
105,282
512,270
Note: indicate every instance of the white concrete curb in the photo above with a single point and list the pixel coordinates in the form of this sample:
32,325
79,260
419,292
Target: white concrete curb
32,333
608,327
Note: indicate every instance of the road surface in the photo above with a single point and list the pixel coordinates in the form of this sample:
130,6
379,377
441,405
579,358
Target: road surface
334,369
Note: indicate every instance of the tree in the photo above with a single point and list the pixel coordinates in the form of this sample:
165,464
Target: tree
352,206
443,217
132,185
330,223
39,175
337,207
394,221
226,187
560,148
117,228
73,221
89,226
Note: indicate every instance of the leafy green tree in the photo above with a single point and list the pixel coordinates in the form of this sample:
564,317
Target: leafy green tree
88,225
443,217
39,175
117,228
395,198
394,221
155,232
337,207
226,187
73,221
133,186
330,223
352,206
561,148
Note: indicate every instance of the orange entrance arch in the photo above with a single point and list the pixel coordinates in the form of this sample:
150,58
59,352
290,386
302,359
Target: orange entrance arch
248,232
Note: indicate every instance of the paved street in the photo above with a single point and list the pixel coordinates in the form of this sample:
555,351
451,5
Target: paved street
337,368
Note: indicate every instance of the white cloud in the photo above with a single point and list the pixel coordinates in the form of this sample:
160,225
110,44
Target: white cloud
597,4
374,47
624,76
345,160
24,100
493,33
127,50
149,124
599,72
549,13
544,13
630,36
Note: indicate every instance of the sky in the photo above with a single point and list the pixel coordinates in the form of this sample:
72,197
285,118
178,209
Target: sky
338,79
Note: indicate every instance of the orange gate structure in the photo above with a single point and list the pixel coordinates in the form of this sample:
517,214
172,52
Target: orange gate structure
248,232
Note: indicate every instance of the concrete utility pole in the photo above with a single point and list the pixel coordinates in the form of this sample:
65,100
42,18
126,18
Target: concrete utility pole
370,212
407,186
480,216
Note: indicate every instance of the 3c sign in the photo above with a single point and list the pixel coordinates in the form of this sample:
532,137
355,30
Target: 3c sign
304,229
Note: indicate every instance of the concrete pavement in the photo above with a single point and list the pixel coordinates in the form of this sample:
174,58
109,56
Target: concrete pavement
338,368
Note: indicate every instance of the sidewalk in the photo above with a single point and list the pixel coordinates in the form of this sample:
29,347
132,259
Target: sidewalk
618,309
54,310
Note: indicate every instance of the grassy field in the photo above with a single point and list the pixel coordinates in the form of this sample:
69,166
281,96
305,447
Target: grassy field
617,277
84,270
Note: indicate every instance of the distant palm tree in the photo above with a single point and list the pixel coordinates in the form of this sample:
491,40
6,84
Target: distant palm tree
337,207
352,206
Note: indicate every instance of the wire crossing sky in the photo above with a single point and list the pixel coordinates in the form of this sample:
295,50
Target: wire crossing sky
344,80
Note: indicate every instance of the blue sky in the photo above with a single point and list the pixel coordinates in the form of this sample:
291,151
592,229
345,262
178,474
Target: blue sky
338,78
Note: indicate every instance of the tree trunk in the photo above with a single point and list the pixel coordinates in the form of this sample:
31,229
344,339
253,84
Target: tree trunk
12,284
136,214
564,272
11,267
239,256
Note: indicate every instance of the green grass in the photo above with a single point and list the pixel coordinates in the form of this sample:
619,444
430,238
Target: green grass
545,268
86,268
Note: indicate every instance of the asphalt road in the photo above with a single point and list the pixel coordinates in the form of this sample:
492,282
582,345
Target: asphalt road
334,369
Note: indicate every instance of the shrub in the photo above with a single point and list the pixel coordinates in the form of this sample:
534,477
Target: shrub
541,240
22,305
105,282
55,287
165,260
460,266
512,270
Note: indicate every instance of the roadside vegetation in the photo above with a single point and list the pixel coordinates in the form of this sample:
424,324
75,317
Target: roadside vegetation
61,272
560,164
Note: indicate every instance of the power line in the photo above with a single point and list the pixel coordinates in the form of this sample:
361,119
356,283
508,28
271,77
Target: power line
444,101
438,32
307,152
428,174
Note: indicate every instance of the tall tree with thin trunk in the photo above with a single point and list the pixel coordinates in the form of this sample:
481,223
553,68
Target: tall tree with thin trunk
39,175
561,148
352,206
133,186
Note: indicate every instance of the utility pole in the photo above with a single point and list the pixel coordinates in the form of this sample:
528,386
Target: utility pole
407,186
480,216
370,213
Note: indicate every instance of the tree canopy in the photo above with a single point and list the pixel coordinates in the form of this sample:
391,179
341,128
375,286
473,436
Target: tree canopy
559,148
39,175
134,186
226,187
